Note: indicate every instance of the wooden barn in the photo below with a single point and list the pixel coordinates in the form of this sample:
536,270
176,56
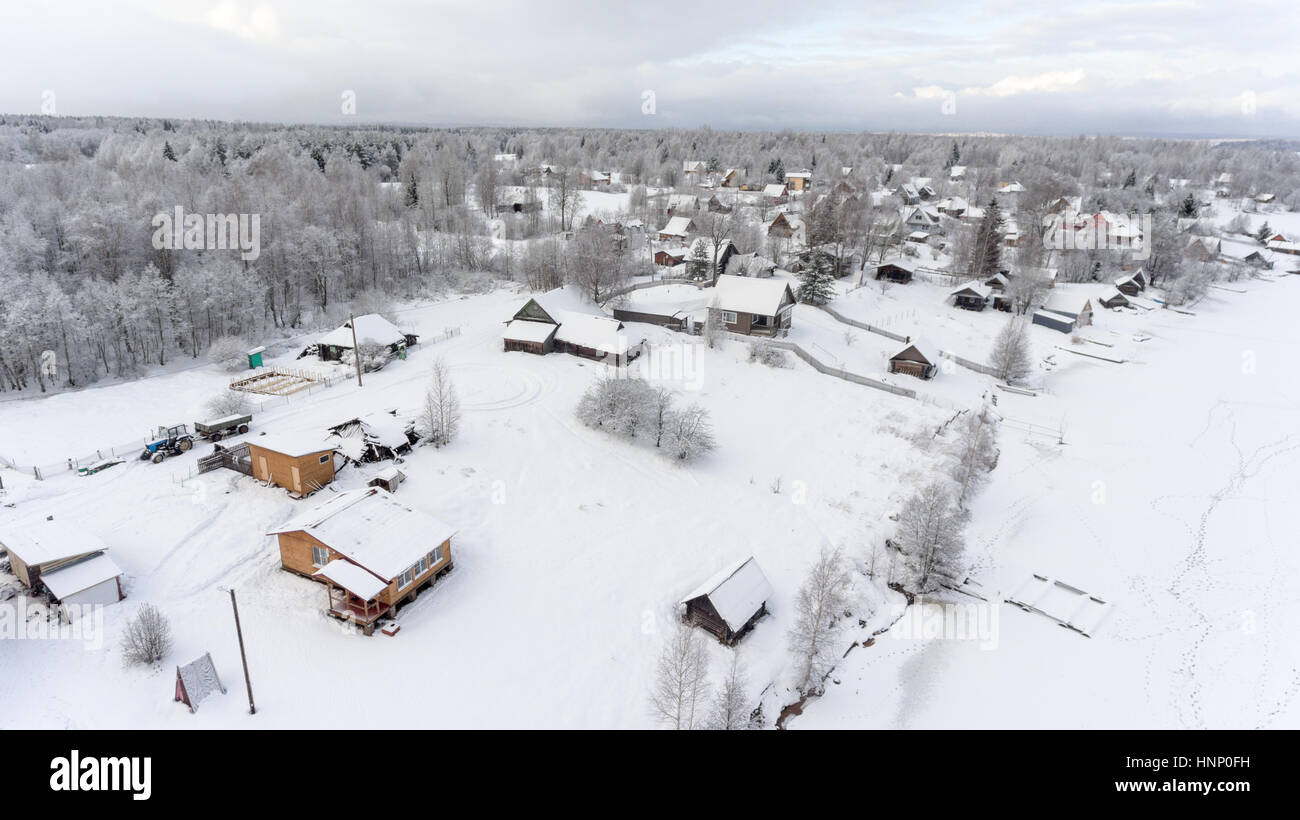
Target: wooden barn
731,602
369,328
373,553
914,360
1055,321
1113,299
971,296
64,562
899,271
558,320
301,463
754,307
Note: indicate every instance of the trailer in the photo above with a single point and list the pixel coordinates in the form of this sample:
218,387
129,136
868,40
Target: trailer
217,429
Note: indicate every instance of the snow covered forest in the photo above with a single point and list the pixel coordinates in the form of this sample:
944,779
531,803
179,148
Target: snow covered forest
362,219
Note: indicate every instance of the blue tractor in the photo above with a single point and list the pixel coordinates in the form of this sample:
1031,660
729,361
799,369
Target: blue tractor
167,441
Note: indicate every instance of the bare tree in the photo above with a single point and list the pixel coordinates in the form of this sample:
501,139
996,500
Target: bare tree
930,537
976,452
681,680
819,608
731,705
227,403
439,418
147,638
565,198
1011,357
229,352
692,433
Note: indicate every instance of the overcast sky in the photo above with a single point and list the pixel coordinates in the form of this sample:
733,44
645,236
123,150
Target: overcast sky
1194,68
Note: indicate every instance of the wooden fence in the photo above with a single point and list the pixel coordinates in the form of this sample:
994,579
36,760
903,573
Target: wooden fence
821,367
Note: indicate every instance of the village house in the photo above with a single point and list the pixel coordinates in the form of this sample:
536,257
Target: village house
754,307
694,167
681,205
957,173
301,463
1131,285
776,194
730,602
914,360
799,180
731,178
1282,246
715,206
1113,299
670,257
64,562
560,321
899,271
1203,248
953,206
783,226
373,437
751,264
677,229
370,328
703,246
973,295
922,218
373,553
1076,308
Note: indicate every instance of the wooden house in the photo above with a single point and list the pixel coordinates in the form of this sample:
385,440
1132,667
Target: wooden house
799,180
558,320
974,295
751,264
776,194
670,257
1130,285
784,227
999,285
373,553
729,603
715,206
371,328
676,229
704,245
913,360
1113,299
1076,308
754,307
374,437
64,562
899,271
301,463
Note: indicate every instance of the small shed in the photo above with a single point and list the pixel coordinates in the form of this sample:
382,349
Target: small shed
913,360
301,463
196,680
1113,299
91,581
255,357
973,295
44,547
897,271
389,478
730,602
1055,321
1129,285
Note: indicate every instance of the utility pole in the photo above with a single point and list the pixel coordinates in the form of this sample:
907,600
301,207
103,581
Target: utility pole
356,351
252,708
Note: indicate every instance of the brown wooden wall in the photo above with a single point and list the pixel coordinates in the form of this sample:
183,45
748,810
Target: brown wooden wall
278,468
295,556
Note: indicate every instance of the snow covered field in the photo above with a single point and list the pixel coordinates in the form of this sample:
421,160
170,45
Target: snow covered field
1168,500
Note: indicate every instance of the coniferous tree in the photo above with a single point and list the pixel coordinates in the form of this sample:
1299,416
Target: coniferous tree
817,279
986,251
168,152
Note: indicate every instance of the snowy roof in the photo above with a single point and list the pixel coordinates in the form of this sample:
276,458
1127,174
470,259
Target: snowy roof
519,330
974,286
385,429
596,332
293,444
774,190
904,264
200,680
82,575
798,175
360,582
45,541
371,327
707,244
921,350
369,527
677,226
1113,295
737,592
746,295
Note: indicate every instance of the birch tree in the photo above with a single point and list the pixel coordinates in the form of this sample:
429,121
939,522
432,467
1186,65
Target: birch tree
680,693
819,610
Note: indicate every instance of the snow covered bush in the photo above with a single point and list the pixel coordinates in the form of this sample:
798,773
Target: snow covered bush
147,638
229,352
765,353
227,403
691,434
1011,354
617,406
373,356
630,408
930,537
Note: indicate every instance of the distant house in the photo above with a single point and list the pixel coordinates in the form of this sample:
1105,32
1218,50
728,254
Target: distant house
900,271
908,193
754,307
301,463
1203,248
957,173
1281,246
371,328
1055,321
1129,285
781,226
715,206
1113,299
751,264
953,206
731,178
912,360
64,562
799,180
694,167
670,257
677,229
973,295
1265,199
1076,308
519,205
730,602
682,205
922,218
372,552
999,285
559,321
776,194
1010,188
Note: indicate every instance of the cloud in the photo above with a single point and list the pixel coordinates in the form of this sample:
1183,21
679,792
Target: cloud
1050,82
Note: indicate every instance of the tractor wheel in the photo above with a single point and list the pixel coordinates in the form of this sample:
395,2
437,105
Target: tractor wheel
144,456
214,437
184,444
243,428
158,458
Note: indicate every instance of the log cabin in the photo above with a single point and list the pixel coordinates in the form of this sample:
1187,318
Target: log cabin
898,271
754,307
973,295
914,360
729,603
372,553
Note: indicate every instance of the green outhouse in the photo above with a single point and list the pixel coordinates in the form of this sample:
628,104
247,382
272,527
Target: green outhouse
255,357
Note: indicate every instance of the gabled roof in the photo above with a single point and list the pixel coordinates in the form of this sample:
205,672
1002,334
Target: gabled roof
294,444
677,226
903,264
974,286
44,541
737,592
775,189
522,331
744,294
596,332
359,581
915,351
371,327
80,576
372,529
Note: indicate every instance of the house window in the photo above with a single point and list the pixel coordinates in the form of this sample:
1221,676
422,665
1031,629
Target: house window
729,317
421,567
405,579
319,556
324,458
435,557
